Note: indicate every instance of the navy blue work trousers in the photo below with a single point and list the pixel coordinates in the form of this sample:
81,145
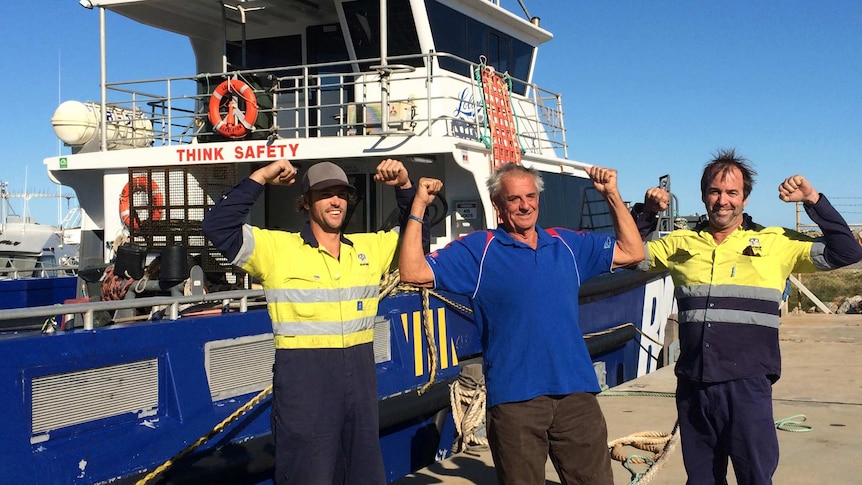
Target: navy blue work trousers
325,419
724,420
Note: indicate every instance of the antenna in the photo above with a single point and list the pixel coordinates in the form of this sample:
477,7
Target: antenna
25,204
59,142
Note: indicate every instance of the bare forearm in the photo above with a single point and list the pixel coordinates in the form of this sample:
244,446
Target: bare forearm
629,248
412,266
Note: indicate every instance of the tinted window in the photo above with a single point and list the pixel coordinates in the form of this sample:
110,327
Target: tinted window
363,22
263,53
574,203
455,33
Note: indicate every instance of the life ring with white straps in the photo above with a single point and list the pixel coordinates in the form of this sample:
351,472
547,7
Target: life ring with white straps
156,201
236,122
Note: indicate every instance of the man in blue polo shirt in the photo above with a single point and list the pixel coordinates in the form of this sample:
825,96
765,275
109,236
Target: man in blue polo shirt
523,283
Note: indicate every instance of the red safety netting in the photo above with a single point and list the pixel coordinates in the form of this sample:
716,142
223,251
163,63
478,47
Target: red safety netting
500,119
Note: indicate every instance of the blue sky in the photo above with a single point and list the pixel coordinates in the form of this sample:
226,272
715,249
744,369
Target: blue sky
649,87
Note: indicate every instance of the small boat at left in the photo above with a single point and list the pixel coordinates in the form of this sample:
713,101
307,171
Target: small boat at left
38,262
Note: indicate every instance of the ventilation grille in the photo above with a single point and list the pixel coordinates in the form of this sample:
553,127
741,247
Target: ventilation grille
382,350
239,366
61,400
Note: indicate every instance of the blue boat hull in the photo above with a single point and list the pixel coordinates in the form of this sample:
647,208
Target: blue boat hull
48,437
31,292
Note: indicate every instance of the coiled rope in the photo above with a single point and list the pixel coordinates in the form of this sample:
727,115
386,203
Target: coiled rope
467,398
793,424
661,444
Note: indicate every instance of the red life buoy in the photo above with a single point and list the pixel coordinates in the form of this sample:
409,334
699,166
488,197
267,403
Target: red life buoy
156,199
235,123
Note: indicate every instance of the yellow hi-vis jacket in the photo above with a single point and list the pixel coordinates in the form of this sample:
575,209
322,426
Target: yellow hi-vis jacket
729,295
316,301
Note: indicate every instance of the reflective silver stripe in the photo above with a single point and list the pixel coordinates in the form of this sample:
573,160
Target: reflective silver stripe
324,295
323,328
817,256
732,291
728,316
247,246
744,298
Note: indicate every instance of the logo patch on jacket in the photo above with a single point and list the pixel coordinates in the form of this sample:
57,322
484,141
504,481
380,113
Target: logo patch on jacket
753,248
363,259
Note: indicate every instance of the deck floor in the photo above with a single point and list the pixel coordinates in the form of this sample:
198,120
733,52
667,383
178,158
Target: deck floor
821,379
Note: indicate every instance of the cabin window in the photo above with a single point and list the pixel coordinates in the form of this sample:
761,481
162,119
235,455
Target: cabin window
265,53
457,34
572,202
325,45
363,23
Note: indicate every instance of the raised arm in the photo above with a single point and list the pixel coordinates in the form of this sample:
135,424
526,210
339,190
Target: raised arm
645,214
839,247
629,247
412,265
223,223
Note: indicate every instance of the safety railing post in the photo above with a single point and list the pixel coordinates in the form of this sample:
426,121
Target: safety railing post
169,121
305,101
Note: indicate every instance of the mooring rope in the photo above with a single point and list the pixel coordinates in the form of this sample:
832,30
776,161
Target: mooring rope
651,440
428,327
793,424
203,439
624,325
467,397
390,284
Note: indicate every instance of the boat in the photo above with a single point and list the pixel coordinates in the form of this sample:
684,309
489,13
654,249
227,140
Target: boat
38,262
169,383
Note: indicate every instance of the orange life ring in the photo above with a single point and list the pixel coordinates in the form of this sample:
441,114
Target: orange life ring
157,201
233,125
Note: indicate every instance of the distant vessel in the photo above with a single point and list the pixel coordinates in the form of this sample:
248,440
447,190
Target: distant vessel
38,262
26,245
443,85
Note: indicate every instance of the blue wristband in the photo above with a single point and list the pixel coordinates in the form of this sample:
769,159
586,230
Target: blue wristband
411,217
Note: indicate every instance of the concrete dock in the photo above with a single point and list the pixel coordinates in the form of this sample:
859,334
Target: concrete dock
821,379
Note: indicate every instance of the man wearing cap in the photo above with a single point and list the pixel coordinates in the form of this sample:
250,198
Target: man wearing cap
322,291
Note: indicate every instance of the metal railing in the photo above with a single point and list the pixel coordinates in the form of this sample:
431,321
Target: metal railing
39,272
330,99
172,312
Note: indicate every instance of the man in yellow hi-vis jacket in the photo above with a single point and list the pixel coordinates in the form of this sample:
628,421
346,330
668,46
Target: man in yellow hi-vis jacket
322,291
730,274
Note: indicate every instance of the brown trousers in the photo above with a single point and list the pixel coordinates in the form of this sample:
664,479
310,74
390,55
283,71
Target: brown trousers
571,428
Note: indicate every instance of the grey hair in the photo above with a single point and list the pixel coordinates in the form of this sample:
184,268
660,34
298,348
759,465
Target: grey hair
495,180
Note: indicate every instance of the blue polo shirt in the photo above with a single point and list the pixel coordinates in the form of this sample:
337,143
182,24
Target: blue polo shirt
525,302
